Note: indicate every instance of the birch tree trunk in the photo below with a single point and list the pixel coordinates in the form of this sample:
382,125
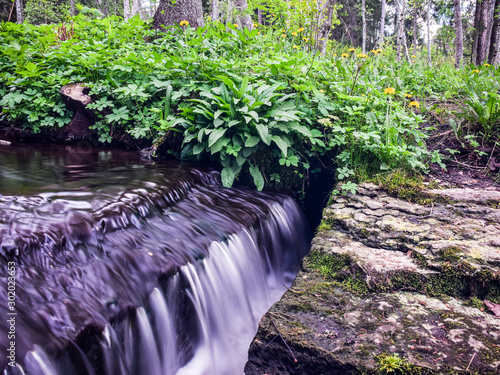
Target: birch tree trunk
243,18
72,8
215,11
493,53
415,39
326,26
429,33
259,16
400,27
459,39
172,13
382,24
126,9
136,7
19,11
491,13
363,15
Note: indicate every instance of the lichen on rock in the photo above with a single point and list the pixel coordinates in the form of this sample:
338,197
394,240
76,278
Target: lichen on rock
390,283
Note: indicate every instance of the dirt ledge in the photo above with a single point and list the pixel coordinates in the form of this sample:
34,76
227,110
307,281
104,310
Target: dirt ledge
391,287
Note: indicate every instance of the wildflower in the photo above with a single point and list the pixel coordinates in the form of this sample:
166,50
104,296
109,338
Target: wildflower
389,91
321,90
362,56
300,29
296,47
352,49
184,23
408,96
334,55
305,39
413,56
235,25
375,51
486,65
344,55
475,71
283,30
255,25
283,35
414,104
294,34
258,32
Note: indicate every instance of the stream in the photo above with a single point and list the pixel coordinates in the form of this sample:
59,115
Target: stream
116,265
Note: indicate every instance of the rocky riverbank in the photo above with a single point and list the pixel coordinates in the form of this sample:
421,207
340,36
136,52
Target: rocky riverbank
392,287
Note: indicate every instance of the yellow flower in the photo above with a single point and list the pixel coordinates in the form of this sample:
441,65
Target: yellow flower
344,55
389,91
413,56
362,55
184,23
408,95
283,35
352,49
475,71
414,104
283,30
294,34
235,25
334,55
255,25
375,51
321,90
296,47
486,65
305,39
300,29
258,32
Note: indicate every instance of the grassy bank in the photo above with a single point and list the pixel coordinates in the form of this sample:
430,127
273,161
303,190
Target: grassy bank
261,101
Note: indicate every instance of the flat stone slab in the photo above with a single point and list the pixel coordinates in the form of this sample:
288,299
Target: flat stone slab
469,195
390,286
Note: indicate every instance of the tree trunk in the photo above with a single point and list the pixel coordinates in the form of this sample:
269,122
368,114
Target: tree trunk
325,27
126,9
136,7
491,12
215,10
382,24
475,32
363,15
169,13
429,33
259,16
459,39
400,13
19,11
415,29
494,34
242,17
482,33
72,8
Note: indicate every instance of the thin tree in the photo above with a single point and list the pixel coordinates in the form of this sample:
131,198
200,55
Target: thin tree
429,32
482,33
126,9
400,12
72,8
136,7
19,11
172,13
415,38
363,15
492,56
215,10
459,39
382,24
242,17
325,24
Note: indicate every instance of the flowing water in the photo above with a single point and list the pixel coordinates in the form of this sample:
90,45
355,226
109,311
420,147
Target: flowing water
128,267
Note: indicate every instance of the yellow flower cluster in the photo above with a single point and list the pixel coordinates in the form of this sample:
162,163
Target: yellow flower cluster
294,34
255,25
414,104
408,96
389,91
301,29
362,56
305,39
283,35
235,25
344,55
296,47
375,51
352,49
475,71
413,56
184,23
486,65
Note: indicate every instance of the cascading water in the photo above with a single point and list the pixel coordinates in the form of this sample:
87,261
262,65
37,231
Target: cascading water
124,267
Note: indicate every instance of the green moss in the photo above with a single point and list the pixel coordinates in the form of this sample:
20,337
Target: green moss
475,302
336,269
450,254
394,364
323,226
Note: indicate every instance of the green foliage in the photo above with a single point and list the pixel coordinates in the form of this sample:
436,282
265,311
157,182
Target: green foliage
234,95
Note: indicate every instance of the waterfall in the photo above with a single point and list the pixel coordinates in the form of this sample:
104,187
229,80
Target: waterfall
160,272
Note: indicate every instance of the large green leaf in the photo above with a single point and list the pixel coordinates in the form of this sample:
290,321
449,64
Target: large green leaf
215,135
281,143
264,133
258,179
